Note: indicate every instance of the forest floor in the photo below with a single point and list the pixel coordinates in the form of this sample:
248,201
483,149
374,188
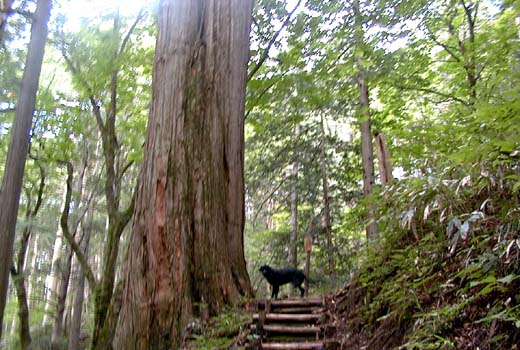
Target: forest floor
345,313
411,293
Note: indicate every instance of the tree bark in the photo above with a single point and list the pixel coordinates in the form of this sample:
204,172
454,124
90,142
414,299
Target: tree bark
19,145
326,205
187,243
367,152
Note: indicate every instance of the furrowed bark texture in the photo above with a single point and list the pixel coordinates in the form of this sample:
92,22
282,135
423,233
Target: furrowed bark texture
187,243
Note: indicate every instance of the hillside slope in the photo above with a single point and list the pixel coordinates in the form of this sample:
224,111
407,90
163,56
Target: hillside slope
444,276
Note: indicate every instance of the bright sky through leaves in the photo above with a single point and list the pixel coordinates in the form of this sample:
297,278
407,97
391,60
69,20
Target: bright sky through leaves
77,10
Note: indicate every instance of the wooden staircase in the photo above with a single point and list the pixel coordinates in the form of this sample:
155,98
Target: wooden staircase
290,324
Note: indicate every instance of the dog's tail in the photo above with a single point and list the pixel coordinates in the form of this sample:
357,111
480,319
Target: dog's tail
308,279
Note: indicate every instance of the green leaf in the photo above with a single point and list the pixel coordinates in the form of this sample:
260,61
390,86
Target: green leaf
507,279
486,290
516,187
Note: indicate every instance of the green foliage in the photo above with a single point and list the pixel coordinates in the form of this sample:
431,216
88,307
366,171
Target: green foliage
220,332
433,274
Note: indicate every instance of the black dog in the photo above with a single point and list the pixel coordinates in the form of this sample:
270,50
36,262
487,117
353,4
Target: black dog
276,278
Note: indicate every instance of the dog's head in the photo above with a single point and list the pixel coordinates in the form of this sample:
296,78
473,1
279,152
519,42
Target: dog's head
266,270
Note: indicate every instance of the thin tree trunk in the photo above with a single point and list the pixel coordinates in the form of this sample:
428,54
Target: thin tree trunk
187,243
63,285
52,278
67,315
19,145
32,271
66,263
367,152
269,222
117,218
367,155
326,205
75,325
468,51
17,273
23,309
293,239
383,160
81,296
18,269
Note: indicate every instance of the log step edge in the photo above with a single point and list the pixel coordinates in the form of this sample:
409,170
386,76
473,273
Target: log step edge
293,346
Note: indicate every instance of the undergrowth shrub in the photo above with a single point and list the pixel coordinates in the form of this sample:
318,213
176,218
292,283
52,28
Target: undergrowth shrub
445,273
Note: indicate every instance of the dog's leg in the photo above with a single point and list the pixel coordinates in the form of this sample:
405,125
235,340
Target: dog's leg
276,289
302,291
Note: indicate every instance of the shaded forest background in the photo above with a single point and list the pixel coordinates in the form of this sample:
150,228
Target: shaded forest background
443,98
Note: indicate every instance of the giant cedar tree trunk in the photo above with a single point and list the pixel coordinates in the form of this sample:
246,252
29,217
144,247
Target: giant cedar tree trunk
19,145
187,243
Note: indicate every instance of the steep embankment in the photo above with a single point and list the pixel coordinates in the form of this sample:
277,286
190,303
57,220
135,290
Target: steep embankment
447,280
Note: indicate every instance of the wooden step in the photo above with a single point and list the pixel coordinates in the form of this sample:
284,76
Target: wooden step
293,346
283,329
288,317
313,301
299,310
